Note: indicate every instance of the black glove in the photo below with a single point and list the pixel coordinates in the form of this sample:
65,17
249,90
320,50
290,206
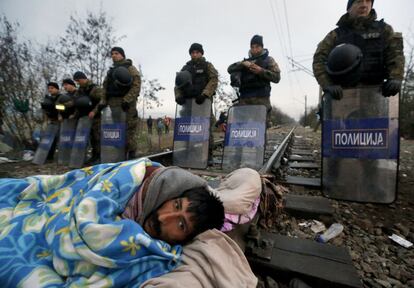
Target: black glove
125,106
391,87
334,90
180,100
200,99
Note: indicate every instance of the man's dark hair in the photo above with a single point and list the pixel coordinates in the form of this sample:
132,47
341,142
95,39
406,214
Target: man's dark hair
207,210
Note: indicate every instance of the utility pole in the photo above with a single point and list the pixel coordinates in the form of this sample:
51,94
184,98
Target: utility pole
306,110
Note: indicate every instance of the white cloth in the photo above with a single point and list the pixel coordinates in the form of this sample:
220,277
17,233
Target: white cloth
213,260
239,190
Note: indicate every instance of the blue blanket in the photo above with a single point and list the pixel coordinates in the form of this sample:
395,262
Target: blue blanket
65,230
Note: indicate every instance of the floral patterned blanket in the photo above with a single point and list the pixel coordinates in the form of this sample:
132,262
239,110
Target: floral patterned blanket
65,230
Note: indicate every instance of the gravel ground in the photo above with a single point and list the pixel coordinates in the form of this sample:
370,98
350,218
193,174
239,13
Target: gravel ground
379,261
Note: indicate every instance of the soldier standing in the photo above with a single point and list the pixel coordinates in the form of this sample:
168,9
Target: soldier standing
382,50
87,100
254,74
50,113
65,102
198,79
122,87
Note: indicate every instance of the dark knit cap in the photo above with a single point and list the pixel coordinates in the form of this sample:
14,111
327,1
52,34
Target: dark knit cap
119,50
350,2
79,75
257,39
68,81
196,47
53,84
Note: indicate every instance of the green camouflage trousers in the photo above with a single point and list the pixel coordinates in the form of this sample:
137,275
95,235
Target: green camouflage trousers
131,122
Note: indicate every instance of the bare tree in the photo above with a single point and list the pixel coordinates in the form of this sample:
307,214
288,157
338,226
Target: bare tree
86,45
19,91
225,94
149,90
407,92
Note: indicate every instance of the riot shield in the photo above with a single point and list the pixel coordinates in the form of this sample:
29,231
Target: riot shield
191,134
113,135
244,143
46,142
360,146
80,143
67,134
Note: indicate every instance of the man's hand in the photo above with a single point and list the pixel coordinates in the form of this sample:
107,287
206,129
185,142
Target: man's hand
60,118
72,116
125,106
91,115
200,99
391,87
246,64
180,100
256,69
335,91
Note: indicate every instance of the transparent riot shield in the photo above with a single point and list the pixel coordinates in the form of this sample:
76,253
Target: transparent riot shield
67,135
191,134
244,143
360,146
46,142
113,135
80,143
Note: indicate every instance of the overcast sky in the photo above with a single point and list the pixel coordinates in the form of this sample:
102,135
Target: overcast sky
159,33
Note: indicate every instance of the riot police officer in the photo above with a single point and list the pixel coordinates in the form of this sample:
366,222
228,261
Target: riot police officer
65,103
122,86
253,75
50,113
201,79
87,100
197,79
381,53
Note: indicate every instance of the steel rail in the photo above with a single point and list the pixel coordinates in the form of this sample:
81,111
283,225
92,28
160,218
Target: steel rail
274,160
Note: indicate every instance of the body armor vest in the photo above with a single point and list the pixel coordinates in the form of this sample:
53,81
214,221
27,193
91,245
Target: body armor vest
252,85
372,44
83,102
113,90
48,106
199,78
68,110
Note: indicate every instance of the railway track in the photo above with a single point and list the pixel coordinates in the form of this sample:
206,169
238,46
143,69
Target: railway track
292,161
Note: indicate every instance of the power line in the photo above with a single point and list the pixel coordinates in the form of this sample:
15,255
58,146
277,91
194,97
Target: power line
288,28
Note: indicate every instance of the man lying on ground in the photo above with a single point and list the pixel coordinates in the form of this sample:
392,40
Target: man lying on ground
99,225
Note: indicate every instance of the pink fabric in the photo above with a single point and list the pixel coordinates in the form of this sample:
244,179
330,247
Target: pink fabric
231,220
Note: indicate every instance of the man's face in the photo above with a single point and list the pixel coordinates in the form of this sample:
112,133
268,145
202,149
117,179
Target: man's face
195,55
116,56
171,222
81,82
52,90
68,87
256,49
360,8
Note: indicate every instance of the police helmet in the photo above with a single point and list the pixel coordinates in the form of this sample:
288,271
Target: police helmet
182,79
122,77
344,64
83,102
64,98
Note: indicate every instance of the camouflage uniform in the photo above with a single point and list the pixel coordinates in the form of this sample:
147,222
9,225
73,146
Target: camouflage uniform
209,90
96,95
393,50
259,92
131,98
